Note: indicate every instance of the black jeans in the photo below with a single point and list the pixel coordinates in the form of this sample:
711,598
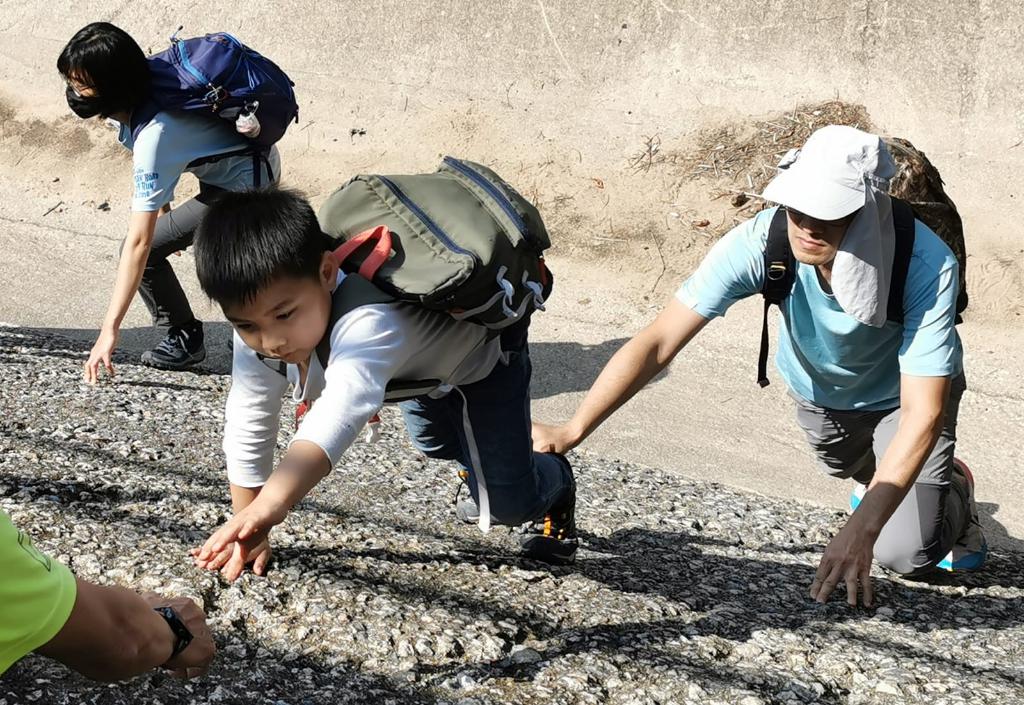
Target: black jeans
160,289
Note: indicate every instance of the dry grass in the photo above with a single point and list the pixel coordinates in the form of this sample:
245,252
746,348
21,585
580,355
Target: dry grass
737,160
746,154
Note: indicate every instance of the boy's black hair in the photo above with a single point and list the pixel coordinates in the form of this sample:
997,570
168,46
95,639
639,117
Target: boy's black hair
248,239
109,61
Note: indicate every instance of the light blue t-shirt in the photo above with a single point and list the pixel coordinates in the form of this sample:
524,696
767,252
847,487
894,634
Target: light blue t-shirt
171,141
824,355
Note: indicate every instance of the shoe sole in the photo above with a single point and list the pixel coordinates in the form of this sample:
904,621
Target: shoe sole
149,361
465,517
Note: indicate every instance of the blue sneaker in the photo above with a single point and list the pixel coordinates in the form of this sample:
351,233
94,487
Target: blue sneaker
856,496
971,549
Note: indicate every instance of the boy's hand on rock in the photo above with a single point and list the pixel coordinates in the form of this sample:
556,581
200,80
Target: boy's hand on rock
100,354
231,562
248,529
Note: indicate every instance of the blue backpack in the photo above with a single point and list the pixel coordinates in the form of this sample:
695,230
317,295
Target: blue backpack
218,76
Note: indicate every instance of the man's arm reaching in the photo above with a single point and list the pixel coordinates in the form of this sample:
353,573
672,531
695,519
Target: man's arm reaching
847,558
635,364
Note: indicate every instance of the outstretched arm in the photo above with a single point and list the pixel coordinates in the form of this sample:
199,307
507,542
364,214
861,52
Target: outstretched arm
302,467
630,369
113,634
366,349
134,255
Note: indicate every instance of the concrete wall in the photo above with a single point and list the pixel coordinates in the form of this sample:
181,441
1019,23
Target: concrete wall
561,92
598,74
559,96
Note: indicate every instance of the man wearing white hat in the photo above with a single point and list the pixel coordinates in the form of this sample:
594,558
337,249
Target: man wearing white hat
877,390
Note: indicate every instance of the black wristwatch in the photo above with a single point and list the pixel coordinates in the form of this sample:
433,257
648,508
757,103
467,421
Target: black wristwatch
182,636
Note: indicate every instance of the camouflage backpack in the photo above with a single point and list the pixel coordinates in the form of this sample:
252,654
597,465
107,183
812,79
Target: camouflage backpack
918,183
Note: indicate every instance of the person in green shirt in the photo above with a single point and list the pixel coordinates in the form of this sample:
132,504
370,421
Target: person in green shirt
105,633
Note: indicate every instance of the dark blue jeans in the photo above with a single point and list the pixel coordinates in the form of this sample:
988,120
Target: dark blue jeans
520,485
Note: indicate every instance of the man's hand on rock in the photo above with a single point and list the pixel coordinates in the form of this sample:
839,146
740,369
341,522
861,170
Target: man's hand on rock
847,559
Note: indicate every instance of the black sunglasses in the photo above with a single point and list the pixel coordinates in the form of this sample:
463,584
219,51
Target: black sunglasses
798,216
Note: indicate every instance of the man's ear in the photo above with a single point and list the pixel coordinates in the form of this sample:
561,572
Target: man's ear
328,270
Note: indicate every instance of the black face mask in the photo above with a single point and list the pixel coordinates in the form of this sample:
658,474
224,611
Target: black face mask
84,106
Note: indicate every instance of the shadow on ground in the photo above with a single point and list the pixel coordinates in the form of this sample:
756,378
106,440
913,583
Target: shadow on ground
558,368
133,342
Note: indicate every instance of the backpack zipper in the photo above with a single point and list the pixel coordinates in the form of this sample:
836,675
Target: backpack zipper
238,47
205,83
187,65
427,220
500,198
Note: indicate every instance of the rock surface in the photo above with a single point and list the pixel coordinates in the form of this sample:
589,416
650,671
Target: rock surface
682,592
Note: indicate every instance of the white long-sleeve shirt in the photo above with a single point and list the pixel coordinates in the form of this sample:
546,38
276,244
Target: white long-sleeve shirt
370,346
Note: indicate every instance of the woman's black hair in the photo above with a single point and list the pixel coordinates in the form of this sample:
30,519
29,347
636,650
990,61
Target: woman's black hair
106,59
249,239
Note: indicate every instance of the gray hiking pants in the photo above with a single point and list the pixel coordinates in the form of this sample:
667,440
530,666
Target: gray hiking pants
935,512
160,289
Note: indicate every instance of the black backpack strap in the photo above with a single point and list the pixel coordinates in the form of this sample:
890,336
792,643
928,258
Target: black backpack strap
278,366
903,224
260,158
779,274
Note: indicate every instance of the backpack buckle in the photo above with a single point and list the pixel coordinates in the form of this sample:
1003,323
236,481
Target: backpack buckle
777,271
215,96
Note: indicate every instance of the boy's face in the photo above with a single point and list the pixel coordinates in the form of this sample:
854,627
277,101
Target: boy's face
288,318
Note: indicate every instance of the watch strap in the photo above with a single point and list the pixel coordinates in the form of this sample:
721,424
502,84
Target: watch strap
182,636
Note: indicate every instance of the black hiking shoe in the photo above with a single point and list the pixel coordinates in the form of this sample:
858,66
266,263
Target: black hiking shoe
181,349
553,539
466,510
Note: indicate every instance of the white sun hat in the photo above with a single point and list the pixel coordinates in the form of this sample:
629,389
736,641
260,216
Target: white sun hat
829,176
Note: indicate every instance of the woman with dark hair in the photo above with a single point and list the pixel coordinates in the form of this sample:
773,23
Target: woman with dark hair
108,76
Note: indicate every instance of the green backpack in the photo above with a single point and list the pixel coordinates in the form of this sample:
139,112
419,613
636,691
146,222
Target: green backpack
459,240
